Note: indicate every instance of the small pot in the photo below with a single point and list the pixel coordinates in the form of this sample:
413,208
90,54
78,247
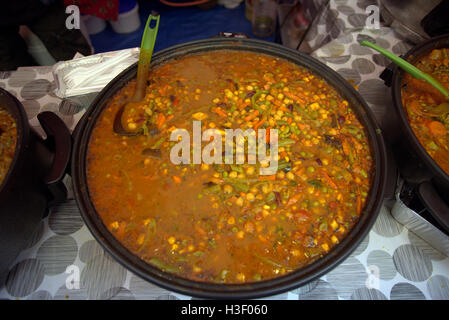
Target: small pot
231,291
433,183
33,182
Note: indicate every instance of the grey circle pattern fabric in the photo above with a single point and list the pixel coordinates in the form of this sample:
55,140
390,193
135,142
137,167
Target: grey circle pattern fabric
64,262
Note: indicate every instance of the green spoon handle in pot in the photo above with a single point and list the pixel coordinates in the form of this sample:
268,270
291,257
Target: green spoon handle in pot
146,52
411,69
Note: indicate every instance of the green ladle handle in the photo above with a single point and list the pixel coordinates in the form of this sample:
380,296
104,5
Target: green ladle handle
146,52
415,72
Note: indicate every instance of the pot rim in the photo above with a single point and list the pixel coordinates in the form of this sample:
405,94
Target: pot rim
273,286
412,55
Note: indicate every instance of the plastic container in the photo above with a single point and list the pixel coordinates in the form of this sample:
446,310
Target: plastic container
128,21
264,17
93,24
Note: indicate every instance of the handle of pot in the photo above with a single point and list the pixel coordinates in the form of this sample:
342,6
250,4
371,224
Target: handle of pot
59,135
433,202
387,74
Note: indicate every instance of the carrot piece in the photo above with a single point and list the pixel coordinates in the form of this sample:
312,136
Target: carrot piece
278,104
329,180
289,120
359,205
294,199
176,179
437,128
267,136
345,146
199,230
258,124
284,108
220,112
294,97
160,120
252,115
121,229
267,178
244,105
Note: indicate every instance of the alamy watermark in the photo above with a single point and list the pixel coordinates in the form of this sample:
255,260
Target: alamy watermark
373,20
212,153
73,20
72,282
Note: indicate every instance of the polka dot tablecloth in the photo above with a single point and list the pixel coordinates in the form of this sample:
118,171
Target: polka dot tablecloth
391,262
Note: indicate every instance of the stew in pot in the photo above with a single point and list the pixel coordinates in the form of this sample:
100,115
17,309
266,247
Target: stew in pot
223,222
8,137
427,108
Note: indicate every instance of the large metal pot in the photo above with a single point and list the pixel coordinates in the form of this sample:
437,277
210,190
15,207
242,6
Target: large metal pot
33,182
210,290
432,183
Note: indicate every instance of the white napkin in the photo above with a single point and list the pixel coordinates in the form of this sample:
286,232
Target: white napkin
92,73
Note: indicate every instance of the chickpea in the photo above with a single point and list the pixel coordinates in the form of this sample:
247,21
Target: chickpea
227,188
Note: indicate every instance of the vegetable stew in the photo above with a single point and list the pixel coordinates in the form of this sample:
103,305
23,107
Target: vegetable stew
8,137
222,222
427,108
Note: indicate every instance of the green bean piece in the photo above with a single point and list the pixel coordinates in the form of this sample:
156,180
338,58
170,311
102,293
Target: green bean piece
165,267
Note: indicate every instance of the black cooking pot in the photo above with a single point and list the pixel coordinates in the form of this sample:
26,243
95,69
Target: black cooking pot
432,183
210,290
33,182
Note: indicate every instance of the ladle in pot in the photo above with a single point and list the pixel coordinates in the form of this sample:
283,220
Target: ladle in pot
143,66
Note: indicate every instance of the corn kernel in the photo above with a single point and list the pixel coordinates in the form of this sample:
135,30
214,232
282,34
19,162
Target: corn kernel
227,188
140,239
233,174
334,239
314,106
171,240
114,225
334,224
